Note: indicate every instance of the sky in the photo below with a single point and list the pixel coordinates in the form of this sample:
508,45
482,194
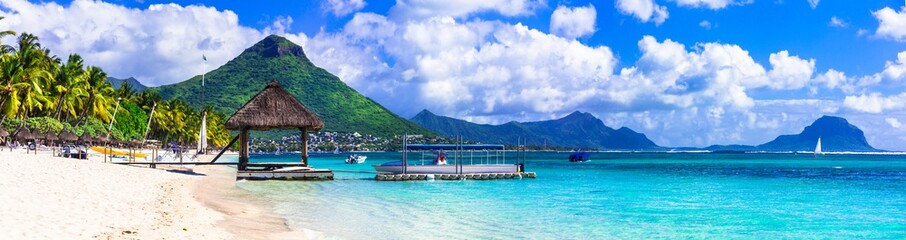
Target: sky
684,72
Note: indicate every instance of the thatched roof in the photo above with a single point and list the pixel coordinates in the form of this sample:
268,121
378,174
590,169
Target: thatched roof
50,136
85,137
66,135
22,134
274,108
3,133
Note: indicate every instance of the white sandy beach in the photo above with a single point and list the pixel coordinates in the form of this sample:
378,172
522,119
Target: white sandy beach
44,197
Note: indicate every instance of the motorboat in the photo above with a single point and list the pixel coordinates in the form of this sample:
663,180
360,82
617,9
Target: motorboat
356,159
580,157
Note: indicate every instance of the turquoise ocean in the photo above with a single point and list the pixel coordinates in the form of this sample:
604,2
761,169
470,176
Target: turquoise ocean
615,196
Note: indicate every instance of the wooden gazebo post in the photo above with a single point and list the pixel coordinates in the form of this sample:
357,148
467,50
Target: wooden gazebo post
304,146
243,148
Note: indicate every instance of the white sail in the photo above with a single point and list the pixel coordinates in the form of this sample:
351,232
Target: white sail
818,147
203,134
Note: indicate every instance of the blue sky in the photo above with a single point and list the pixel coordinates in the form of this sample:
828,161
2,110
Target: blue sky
685,72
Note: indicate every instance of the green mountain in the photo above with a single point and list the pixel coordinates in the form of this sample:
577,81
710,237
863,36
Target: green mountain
835,132
575,130
275,58
136,85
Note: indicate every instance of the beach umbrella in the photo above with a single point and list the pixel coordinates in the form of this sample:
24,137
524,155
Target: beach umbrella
3,133
23,134
68,136
85,137
50,136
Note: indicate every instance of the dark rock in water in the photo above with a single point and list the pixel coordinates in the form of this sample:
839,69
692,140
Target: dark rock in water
835,132
577,129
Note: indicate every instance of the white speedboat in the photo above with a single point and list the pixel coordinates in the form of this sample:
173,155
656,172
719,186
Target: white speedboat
356,159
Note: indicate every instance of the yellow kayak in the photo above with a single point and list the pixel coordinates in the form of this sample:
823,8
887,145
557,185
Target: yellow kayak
112,152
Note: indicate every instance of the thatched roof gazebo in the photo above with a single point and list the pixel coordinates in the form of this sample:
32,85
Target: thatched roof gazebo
273,108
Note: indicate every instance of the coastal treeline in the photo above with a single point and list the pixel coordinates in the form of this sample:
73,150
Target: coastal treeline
41,91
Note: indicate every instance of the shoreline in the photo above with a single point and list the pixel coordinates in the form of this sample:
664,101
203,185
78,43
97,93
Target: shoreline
52,197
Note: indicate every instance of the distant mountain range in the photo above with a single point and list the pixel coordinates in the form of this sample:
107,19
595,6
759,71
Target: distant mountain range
836,135
577,129
276,58
116,82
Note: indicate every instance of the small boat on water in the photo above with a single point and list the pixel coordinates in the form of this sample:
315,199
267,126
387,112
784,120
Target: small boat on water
818,148
580,157
356,159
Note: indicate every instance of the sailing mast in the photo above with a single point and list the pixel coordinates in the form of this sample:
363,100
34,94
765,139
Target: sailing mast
203,132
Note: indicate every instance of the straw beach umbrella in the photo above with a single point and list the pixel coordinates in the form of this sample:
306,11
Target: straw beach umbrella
22,134
85,137
50,136
68,136
3,133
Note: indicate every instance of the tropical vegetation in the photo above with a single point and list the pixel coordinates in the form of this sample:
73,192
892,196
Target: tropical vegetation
40,91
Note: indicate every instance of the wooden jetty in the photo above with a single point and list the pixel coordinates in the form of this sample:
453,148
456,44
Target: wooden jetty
275,108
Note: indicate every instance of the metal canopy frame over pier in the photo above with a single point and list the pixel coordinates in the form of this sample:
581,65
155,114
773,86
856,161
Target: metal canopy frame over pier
487,170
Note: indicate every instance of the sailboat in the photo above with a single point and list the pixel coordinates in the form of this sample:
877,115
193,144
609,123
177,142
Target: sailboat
203,134
336,150
818,148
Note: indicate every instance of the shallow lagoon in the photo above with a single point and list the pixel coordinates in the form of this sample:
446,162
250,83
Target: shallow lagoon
617,195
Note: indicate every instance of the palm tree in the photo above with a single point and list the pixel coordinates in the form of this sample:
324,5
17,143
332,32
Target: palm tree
4,49
100,96
125,91
69,87
28,77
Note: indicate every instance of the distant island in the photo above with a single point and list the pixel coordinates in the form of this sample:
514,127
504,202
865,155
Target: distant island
576,130
837,135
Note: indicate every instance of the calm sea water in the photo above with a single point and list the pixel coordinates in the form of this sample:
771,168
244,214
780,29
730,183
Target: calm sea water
617,195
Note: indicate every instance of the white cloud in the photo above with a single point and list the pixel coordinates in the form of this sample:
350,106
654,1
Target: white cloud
159,45
891,23
573,22
710,4
343,7
875,103
705,24
833,79
412,9
470,69
893,122
837,22
424,55
813,3
644,10
896,70
789,72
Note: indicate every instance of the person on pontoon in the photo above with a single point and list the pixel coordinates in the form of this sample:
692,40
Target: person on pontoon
441,159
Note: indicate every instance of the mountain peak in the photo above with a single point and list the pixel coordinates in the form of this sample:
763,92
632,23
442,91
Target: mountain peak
277,46
579,115
425,113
